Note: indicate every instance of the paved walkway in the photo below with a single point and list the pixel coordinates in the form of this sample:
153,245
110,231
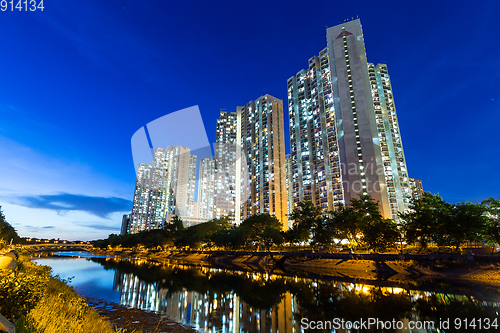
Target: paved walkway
8,261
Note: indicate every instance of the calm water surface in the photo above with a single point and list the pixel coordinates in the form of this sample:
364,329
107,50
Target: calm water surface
215,299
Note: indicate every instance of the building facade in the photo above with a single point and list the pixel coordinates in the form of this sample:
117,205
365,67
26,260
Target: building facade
359,146
314,149
417,191
206,185
391,146
344,134
262,158
225,166
125,224
289,185
139,218
164,187
181,180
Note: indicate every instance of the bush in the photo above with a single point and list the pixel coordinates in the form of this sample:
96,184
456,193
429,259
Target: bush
21,291
40,303
63,311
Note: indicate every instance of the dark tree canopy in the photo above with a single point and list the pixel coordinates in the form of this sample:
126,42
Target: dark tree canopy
7,232
361,223
175,225
492,215
426,220
433,219
306,216
263,230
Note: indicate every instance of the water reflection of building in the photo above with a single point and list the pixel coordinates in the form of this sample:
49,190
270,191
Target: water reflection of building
224,311
278,319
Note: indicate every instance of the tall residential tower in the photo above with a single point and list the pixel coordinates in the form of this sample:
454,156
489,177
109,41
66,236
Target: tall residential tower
206,186
166,186
345,138
262,157
225,166
315,162
393,158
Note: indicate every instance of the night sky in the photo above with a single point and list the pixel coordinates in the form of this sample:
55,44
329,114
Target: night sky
78,79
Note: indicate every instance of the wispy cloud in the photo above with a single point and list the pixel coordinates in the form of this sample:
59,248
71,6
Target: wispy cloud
69,195
64,202
101,227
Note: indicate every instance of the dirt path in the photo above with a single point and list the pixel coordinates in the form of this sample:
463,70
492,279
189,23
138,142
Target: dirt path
7,261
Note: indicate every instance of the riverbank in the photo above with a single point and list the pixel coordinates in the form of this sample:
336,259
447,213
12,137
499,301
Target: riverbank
38,302
136,320
392,268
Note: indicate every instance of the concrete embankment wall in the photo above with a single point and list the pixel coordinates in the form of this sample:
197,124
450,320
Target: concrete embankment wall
353,256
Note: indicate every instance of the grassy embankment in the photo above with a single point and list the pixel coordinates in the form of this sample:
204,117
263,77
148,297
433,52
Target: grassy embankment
40,303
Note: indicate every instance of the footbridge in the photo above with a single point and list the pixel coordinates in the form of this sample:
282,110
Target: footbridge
47,246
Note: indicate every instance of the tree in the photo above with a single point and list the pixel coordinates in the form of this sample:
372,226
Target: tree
7,232
362,222
433,219
233,238
210,229
428,220
257,224
203,233
351,222
306,216
380,234
325,233
155,240
191,239
271,236
347,225
174,226
492,215
468,223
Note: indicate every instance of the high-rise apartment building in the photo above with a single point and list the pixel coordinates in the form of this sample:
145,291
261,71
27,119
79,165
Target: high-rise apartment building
260,133
166,186
344,133
225,166
139,218
159,190
359,145
206,186
289,184
417,191
181,180
315,161
125,223
393,158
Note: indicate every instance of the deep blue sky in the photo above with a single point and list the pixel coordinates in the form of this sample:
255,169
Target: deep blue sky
78,79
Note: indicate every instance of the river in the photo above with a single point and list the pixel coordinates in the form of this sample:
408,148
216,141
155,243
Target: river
222,299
